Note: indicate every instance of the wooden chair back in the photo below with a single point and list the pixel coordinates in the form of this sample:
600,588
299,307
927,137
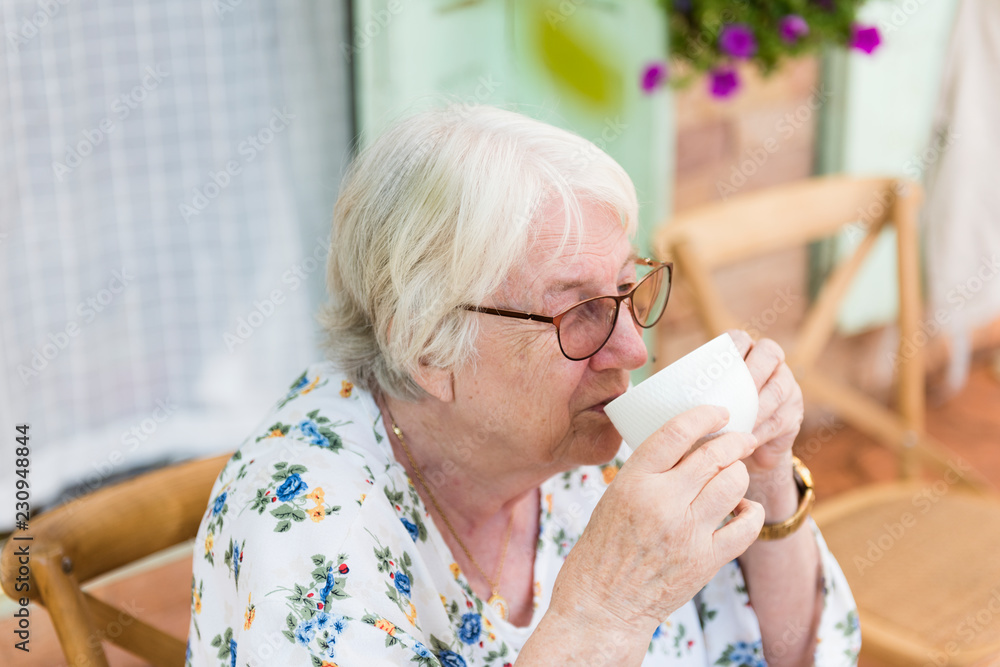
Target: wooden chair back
754,224
99,533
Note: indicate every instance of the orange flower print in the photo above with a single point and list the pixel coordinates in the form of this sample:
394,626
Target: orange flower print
383,624
310,387
454,570
363,496
411,616
444,601
209,543
345,388
608,472
328,664
276,433
197,603
317,513
548,502
317,495
249,614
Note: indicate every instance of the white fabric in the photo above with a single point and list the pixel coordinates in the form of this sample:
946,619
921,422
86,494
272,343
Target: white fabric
144,289
962,212
317,551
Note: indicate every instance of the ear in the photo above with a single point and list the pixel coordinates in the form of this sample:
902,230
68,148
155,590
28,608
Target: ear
436,381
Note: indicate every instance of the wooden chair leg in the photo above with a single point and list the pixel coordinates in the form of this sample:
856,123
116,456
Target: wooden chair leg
139,638
910,397
65,602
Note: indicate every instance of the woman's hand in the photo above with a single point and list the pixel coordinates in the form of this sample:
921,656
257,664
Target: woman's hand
654,540
781,409
778,420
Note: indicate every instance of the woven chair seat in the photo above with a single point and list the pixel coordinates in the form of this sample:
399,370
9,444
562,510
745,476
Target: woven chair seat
923,561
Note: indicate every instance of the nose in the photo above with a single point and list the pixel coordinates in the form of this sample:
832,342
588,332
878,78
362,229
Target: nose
625,349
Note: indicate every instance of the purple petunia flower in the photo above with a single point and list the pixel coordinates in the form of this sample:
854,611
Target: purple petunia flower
865,38
654,74
737,40
723,81
793,28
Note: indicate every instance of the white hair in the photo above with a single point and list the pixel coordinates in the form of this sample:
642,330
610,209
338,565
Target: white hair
434,215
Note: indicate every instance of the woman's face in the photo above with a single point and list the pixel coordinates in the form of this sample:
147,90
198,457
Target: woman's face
544,409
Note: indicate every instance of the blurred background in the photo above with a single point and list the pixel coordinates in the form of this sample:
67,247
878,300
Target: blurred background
168,172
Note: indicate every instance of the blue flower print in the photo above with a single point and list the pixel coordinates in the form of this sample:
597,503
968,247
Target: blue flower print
472,625
236,561
300,383
220,500
421,650
402,583
232,653
291,487
451,659
411,528
305,631
310,429
750,654
328,586
337,624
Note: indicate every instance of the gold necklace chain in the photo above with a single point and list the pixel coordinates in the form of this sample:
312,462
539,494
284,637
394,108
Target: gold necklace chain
496,600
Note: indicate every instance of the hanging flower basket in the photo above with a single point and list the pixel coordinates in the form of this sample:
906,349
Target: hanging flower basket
710,37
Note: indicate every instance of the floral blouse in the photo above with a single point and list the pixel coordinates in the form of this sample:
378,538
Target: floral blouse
316,551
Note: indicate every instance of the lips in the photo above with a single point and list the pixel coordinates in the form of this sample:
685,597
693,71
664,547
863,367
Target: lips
599,406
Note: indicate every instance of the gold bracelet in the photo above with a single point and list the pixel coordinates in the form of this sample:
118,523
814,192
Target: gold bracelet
804,482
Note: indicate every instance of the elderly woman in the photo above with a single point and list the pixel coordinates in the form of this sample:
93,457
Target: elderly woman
448,490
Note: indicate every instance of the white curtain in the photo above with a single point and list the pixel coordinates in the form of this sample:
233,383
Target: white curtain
962,213
167,174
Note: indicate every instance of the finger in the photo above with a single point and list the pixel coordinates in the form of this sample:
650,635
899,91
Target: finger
779,389
705,463
722,493
664,448
764,357
787,420
743,341
733,539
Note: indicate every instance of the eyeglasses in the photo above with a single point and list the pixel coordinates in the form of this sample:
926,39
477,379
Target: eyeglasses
585,327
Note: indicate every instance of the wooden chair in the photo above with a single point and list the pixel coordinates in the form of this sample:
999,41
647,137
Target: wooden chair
101,532
913,599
